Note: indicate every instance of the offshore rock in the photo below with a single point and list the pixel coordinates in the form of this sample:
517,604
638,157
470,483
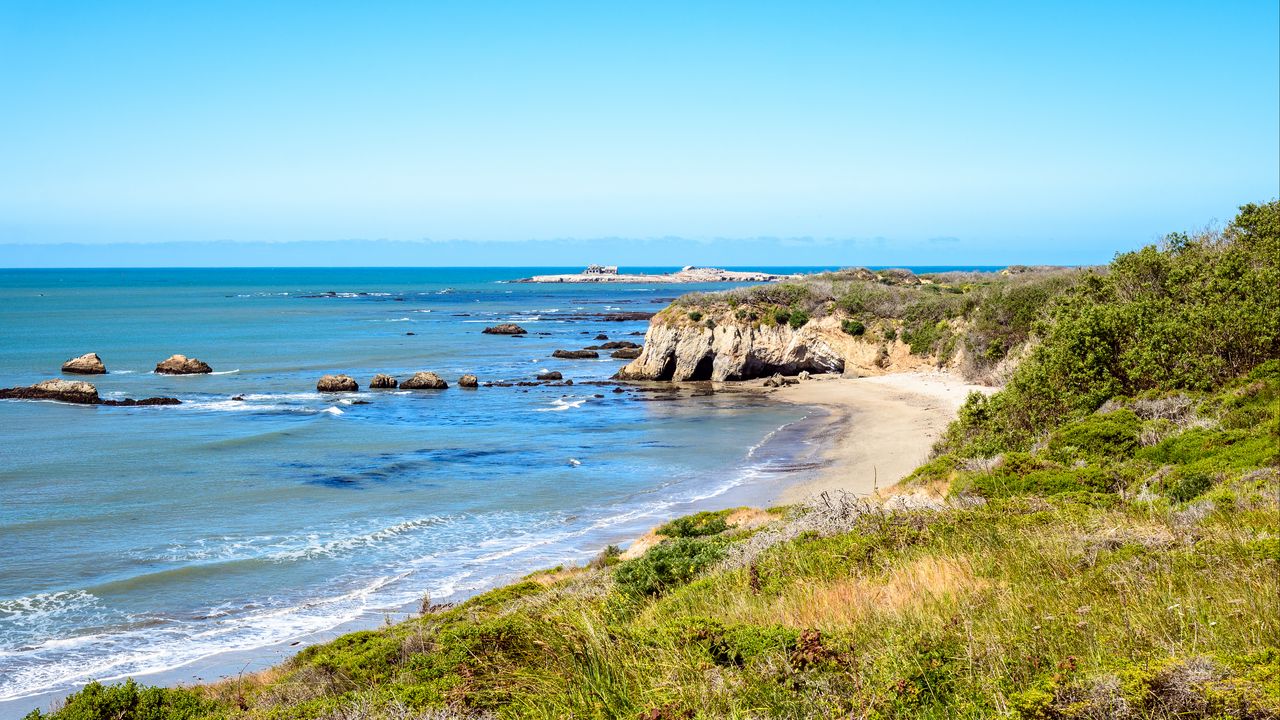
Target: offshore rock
75,391
630,353
575,354
468,381
182,365
86,364
382,381
505,329
424,381
553,375
337,383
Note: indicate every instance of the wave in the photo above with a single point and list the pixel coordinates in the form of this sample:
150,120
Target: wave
560,404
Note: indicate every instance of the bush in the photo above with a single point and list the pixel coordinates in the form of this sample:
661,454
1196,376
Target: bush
781,316
1186,484
798,318
129,701
696,525
667,566
853,327
1114,434
695,315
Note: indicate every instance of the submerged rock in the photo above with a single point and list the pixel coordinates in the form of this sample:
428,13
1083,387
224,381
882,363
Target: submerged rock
182,365
505,329
602,336
468,381
575,354
424,381
86,364
382,381
337,383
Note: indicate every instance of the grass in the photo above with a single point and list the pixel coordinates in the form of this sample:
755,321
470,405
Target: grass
1090,542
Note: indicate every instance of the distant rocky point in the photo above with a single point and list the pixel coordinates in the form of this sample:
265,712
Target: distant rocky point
77,392
689,274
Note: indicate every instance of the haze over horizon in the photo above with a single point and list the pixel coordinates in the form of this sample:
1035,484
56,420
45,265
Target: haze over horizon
821,134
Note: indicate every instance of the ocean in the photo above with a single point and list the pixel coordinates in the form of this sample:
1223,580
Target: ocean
142,540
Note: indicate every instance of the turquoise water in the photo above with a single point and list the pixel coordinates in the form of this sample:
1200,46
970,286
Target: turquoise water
136,540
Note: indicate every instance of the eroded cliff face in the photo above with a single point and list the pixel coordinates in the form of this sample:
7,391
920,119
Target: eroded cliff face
677,348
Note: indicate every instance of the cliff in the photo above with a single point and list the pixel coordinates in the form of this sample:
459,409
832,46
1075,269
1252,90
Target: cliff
726,348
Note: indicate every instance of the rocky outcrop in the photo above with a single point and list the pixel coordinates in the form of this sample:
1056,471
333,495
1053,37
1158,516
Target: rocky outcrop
553,375
469,381
505,329
182,365
337,383
86,364
75,391
729,348
630,353
424,381
575,354
382,381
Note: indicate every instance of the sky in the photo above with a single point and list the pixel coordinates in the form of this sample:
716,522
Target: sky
909,133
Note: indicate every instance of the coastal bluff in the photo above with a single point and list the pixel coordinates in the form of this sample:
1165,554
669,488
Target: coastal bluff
690,274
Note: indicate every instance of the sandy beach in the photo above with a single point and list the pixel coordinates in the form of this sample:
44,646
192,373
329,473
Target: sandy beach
881,428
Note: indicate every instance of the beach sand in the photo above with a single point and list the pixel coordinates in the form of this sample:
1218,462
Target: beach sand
881,428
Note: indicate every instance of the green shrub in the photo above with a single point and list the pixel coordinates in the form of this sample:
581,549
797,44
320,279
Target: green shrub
798,318
696,525
781,316
667,566
1185,484
695,315
853,327
130,701
1113,435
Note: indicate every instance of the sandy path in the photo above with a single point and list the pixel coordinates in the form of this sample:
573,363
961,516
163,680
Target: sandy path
882,427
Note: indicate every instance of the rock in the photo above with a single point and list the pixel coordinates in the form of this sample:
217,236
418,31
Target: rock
468,381
411,333
575,354
804,375
626,353
618,390
337,383
424,381
736,350
72,391
553,375
238,398
382,381
777,380
568,382
182,365
619,345
75,391
86,364
602,336
505,329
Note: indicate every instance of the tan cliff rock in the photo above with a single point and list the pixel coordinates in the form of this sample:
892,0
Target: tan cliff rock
727,348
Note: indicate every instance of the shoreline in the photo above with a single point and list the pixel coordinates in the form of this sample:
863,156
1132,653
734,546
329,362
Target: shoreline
881,429
875,431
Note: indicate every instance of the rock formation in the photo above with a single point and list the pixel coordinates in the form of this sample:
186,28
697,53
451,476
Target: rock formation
337,383
424,381
505,329
382,381
468,381
553,375
630,353
182,365
87,364
575,354
75,391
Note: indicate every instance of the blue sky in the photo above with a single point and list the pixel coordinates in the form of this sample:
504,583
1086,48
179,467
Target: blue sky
992,132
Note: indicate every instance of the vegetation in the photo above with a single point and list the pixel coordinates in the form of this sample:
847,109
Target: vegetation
1097,540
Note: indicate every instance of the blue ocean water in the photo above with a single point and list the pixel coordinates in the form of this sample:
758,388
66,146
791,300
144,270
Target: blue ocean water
135,540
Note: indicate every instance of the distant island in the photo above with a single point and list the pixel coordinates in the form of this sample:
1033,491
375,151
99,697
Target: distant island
687,274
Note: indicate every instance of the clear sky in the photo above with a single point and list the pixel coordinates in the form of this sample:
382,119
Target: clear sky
1001,132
